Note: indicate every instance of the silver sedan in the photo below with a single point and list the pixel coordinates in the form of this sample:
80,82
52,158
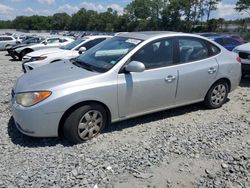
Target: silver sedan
126,76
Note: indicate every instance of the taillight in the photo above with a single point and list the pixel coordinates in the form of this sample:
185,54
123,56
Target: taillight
238,59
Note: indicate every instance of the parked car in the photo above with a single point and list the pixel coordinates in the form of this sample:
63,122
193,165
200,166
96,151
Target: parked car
123,77
30,40
239,38
227,42
55,42
72,50
209,34
244,54
6,41
19,37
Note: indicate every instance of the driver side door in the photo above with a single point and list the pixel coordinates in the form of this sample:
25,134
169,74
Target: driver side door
155,88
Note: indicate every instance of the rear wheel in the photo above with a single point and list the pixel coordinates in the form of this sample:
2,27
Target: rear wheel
217,95
84,123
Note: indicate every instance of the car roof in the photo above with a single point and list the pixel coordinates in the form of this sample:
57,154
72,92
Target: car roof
6,36
96,36
145,35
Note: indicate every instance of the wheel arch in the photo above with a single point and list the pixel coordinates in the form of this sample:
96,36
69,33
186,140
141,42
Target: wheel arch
27,49
6,45
74,107
227,80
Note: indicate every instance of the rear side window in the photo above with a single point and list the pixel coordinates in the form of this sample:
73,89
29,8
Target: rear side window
62,40
92,43
192,49
214,50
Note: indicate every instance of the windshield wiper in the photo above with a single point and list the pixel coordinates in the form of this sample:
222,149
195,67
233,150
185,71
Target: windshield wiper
83,65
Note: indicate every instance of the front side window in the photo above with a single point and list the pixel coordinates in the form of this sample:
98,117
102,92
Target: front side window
214,50
156,54
192,49
105,55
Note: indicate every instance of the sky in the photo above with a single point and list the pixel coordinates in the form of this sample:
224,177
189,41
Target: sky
9,9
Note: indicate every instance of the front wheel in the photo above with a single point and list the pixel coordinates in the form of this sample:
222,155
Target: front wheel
84,123
217,95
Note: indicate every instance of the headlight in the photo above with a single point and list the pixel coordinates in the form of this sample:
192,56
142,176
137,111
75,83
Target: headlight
31,98
39,58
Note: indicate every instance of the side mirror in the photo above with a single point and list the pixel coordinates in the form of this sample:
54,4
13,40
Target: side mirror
45,42
82,49
135,66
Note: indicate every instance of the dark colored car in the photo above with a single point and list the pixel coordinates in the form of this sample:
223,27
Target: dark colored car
31,40
239,38
227,42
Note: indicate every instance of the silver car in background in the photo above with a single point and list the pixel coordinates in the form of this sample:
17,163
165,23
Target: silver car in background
129,75
6,41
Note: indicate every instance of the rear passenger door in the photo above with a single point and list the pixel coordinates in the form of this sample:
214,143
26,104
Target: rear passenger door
197,69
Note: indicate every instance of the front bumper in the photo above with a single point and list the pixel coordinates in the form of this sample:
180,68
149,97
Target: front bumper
33,121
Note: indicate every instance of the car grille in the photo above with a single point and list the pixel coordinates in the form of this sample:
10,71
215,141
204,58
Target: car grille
244,55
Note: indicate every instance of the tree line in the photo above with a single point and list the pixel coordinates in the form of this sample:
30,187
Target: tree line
139,15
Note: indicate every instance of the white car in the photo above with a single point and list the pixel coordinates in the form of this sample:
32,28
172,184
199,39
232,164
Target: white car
54,42
71,50
244,53
6,41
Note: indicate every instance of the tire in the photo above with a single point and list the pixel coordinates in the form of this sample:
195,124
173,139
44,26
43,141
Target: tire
217,95
23,53
81,124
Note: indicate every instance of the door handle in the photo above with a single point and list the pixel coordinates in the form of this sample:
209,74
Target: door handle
212,70
170,78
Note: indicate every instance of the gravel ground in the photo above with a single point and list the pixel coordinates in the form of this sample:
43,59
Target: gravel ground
184,147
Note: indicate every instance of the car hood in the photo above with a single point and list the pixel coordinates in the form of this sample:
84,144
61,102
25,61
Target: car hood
46,52
50,76
244,47
21,45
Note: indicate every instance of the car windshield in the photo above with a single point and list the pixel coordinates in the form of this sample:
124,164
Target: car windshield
72,45
29,40
105,55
